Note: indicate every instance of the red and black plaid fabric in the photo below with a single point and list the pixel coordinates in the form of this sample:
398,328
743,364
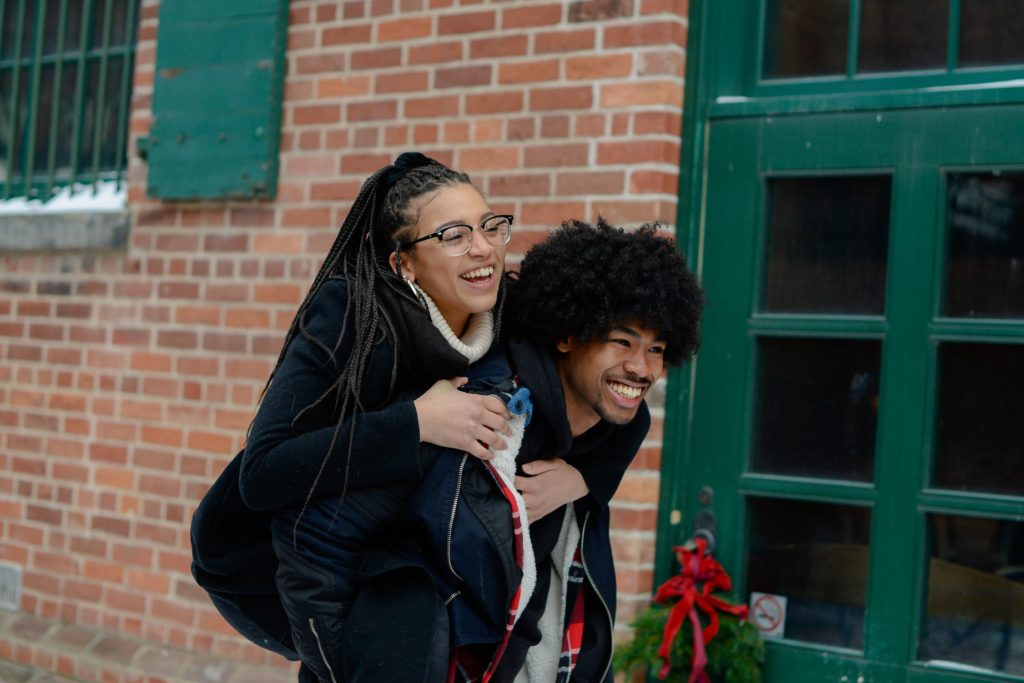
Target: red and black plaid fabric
572,637
476,664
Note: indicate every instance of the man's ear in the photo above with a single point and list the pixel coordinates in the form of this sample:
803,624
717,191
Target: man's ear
407,271
564,345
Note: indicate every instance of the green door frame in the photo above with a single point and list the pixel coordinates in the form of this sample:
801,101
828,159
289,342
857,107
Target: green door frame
721,84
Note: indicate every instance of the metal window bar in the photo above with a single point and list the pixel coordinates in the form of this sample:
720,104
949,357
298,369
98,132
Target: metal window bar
37,163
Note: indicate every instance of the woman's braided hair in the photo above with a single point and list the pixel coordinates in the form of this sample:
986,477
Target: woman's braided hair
377,221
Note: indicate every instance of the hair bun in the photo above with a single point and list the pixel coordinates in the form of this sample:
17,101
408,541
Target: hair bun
405,162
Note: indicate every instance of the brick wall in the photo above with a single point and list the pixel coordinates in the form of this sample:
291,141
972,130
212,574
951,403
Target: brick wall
128,379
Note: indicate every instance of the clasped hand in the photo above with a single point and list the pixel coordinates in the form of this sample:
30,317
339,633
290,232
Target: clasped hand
471,423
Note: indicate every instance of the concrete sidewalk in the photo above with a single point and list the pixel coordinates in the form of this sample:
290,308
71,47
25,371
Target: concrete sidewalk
32,650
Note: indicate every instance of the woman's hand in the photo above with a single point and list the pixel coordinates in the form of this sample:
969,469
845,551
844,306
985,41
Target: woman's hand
551,484
465,422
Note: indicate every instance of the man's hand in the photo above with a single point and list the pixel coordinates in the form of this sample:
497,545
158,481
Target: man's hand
551,484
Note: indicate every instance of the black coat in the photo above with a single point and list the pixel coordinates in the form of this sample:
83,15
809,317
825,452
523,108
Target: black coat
233,558
458,525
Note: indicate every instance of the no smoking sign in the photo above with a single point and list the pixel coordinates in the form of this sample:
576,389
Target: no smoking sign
768,614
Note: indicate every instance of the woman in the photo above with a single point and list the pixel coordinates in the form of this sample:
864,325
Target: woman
403,303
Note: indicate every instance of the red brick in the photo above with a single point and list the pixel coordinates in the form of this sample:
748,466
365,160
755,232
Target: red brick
593,67
561,98
404,29
569,154
346,35
494,103
596,10
372,111
117,478
431,107
316,114
535,71
653,182
663,62
67,310
644,35
531,16
210,442
377,58
412,81
311,217
551,214
564,41
636,212
48,332
322,62
300,39
488,158
493,47
519,185
226,242
591,182
12,329
469,22
177,339
277,293
555,126
647,123
463,76
641,94
638,151
591,125
342,86
435,53
160,436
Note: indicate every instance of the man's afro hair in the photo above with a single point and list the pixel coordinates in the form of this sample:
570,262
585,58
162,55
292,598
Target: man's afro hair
584,280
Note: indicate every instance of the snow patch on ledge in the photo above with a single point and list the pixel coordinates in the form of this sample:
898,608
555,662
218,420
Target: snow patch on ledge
103,197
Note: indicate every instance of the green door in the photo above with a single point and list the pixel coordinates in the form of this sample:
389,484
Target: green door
857,425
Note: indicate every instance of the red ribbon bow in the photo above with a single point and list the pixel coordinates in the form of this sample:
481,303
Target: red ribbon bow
696,568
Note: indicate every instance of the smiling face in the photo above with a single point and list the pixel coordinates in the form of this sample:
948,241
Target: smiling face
608,378
458,285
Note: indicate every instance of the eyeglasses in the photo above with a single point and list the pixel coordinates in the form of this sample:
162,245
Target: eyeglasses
457,240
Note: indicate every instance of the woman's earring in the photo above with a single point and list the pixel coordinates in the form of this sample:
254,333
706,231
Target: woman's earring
415,291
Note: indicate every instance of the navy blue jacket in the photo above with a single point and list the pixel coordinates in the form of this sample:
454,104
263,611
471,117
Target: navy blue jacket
458,525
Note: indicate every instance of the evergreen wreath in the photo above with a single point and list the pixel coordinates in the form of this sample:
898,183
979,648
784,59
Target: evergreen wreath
726,648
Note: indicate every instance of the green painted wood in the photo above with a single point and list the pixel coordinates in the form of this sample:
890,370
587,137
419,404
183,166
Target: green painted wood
217,100
193,11
220,42
812,664
673,525
737,129
803,488
913,147
924,673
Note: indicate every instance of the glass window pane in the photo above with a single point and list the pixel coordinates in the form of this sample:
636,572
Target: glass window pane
816,556
979,430
817,408
990,32
975,609
985,259
901,35
805,38
827,245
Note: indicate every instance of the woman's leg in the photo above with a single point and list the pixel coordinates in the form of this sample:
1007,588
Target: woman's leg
397,631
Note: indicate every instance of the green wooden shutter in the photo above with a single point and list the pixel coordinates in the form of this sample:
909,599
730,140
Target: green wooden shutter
217,99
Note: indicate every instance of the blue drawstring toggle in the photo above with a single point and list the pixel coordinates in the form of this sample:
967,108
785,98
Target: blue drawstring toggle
520,404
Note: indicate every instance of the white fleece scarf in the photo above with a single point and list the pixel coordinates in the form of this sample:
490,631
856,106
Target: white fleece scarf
473,345
478,336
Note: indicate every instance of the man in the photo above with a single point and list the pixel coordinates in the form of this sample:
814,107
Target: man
608,309
592,321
